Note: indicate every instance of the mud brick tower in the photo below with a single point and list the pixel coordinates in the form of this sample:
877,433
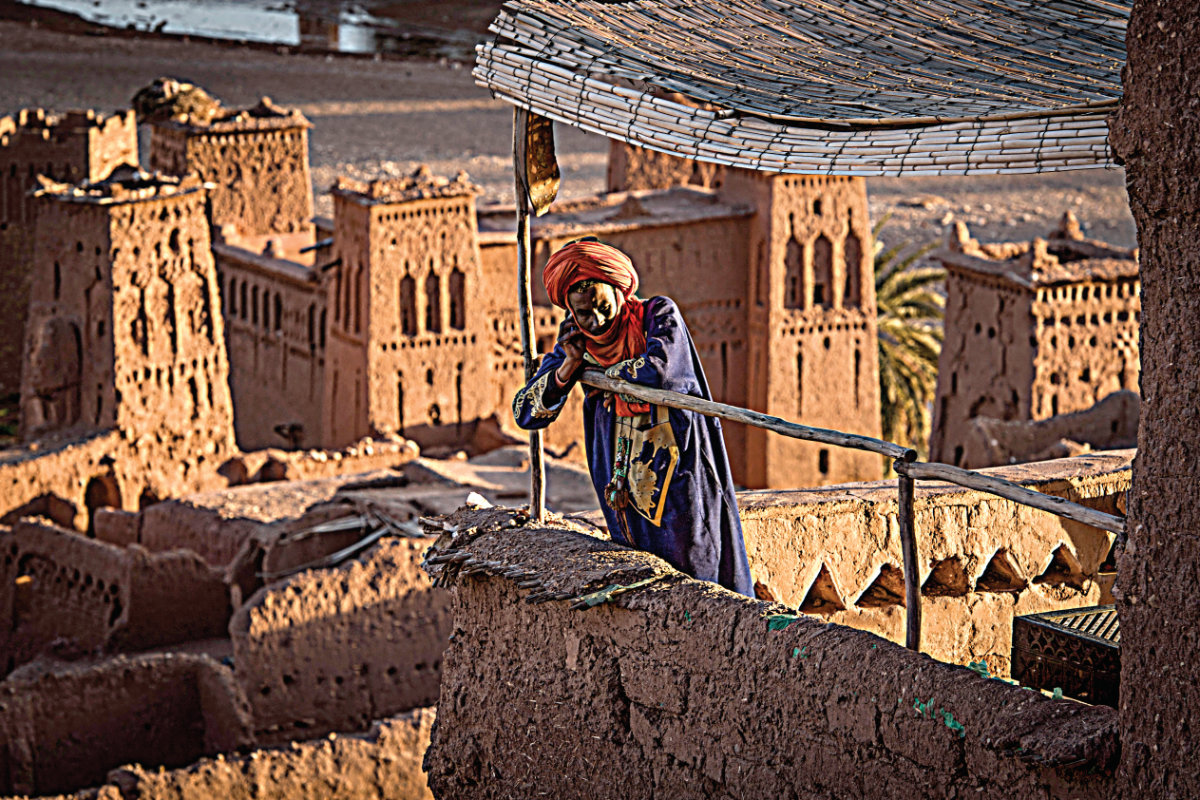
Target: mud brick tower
811,331
77,146
1033,330
402,354
258,159
125,327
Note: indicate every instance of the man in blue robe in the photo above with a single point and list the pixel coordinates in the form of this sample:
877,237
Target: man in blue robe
661,473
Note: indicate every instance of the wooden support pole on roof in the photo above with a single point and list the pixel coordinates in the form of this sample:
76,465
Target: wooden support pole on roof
537,476
535,171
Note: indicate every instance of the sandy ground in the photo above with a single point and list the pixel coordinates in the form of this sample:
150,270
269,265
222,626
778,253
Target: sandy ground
374,118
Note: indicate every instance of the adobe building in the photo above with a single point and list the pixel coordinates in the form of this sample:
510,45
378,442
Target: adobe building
125,335
402,320
257,159
403,352
811,325
72,147
1033,330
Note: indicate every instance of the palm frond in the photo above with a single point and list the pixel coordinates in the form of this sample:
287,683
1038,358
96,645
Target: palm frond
910,313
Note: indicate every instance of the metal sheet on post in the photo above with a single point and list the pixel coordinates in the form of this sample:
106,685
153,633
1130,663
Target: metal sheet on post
537,164
535,169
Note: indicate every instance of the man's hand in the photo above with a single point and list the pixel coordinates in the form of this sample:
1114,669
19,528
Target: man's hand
572,342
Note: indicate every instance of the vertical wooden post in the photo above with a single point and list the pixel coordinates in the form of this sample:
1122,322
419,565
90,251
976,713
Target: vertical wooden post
912,576
537,477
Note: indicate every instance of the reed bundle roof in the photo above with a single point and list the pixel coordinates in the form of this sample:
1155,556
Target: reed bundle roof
846,87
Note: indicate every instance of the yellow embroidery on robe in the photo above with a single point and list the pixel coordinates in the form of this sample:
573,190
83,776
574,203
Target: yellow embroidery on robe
633,364
518,402
536,391
651,435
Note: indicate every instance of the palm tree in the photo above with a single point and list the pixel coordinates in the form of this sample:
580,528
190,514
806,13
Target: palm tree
910,340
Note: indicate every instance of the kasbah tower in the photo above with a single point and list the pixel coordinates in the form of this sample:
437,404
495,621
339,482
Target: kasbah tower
401,356
72,147
125,329
808,295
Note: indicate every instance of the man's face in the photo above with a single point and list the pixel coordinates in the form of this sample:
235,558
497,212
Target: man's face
595,307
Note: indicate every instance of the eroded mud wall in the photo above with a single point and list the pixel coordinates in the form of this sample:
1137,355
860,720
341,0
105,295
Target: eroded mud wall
683,690
70,595
384,762
58,587
332,650
64,727
986,363
1158,134
77,146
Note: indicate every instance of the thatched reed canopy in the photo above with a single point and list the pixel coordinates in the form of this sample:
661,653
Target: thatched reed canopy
844,87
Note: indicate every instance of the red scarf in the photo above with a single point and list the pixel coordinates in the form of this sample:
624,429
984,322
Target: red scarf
625,338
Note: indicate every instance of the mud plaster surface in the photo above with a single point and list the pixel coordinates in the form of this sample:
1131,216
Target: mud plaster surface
681,690
332,650
65,726
1158,133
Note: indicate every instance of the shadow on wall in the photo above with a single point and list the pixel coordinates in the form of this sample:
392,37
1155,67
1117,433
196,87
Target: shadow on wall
102,491
71,596
66,726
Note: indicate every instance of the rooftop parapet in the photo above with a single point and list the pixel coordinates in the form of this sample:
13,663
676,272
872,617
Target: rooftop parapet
422,184
47,124
124,184
1064,256
177,104
266,116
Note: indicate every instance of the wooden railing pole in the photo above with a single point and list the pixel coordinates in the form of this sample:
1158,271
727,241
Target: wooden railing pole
662,397
1013,491
905,458
912,573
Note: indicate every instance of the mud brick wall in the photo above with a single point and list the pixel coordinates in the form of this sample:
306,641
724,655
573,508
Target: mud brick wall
58,587
383,762
75,595
334,649
65,727
682,690
173,597
218,525
276,345
1157,133
835,552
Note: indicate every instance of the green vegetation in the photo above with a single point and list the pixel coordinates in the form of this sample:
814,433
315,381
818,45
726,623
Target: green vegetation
8,421
910,340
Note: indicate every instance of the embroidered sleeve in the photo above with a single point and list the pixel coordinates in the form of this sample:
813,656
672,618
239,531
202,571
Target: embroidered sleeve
537,393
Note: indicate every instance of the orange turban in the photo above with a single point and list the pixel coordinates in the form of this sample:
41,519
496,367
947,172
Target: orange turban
625,337
580,261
